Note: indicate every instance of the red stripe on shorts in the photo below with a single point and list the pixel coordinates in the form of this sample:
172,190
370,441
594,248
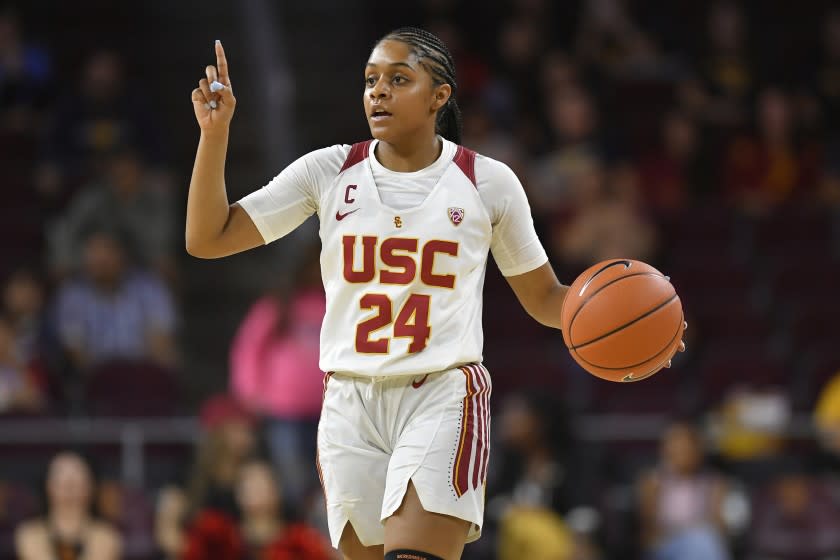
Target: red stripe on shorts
482,385
486,397
461,470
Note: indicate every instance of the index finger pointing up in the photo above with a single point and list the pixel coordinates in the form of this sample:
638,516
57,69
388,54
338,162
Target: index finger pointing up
221,64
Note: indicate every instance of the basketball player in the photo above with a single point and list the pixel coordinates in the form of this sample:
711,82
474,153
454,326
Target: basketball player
406,222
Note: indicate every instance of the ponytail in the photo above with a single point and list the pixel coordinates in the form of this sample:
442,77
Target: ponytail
449,121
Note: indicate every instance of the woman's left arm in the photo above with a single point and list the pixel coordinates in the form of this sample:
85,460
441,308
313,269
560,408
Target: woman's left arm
541,294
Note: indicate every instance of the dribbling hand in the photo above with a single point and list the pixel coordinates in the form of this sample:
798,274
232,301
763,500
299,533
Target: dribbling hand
213,105
680,348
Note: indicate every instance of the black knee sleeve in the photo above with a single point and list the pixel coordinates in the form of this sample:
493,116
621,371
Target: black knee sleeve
405,554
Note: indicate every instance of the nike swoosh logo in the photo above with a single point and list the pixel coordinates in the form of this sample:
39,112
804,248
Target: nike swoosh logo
339,216
417,384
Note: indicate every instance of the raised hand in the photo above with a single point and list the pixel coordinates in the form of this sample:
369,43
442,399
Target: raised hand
213,100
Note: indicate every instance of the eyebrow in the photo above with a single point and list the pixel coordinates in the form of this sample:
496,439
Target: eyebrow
407,65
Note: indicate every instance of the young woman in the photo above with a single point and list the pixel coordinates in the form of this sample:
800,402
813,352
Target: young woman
406,222
68,529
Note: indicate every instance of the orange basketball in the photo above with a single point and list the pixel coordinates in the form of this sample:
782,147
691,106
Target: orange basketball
622,320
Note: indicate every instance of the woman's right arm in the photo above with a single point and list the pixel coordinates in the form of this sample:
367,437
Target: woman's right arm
214,227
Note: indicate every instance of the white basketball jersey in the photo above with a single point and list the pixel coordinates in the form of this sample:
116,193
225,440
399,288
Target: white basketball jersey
404,287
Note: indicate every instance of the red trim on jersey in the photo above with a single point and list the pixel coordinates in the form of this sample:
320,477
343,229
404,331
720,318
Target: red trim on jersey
358,153
461,468
465,159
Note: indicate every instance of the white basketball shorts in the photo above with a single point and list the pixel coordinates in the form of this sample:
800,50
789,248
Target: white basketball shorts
377,433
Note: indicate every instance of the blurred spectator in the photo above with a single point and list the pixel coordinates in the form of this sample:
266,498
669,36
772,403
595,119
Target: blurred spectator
102,114
674,172
482,134
260,531
827,416
574,122
681,503
531,466
749,427
275,373
536,534
829,187
535,483
473,72
795,519
68,531
22,385
605,222
23,303
114,310
828,71
609,42
728,75
228,442
125,200
25,73
765,170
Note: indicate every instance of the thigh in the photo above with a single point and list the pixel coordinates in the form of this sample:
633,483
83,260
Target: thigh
413,528
353,549
352,465
434,495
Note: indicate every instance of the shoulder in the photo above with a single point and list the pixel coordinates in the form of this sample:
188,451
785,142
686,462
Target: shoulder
30,530
329,159
316,169
105,539
492,173
32,539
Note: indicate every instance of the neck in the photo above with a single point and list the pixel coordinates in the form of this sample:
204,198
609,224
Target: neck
68,519
261,528
410,154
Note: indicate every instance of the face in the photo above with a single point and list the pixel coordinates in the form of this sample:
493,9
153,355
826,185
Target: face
793,493
572,115
103,74
103,259
519,426
256,490
725,26
125,172
831,34
7,340
774,112
69,481
238,437
680,135
400,99
23,294
681,449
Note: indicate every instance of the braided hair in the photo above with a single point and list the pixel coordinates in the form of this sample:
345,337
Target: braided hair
436,59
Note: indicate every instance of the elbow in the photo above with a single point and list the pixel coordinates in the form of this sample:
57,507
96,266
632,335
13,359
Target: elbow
199,250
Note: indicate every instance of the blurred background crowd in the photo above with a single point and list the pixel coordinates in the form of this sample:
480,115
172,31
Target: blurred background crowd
155,406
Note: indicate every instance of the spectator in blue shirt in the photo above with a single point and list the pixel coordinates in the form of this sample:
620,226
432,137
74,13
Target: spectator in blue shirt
113,310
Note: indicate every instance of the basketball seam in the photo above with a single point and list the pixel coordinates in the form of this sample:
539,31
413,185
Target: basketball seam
670,342
596,292
624,326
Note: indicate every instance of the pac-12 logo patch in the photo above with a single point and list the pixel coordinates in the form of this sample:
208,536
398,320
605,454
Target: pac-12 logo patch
456,215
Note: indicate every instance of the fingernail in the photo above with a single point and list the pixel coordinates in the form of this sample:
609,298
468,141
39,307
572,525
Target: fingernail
216,86
207,106
217,41
213,104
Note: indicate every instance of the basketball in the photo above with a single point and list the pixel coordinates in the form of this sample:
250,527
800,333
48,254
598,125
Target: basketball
622,320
